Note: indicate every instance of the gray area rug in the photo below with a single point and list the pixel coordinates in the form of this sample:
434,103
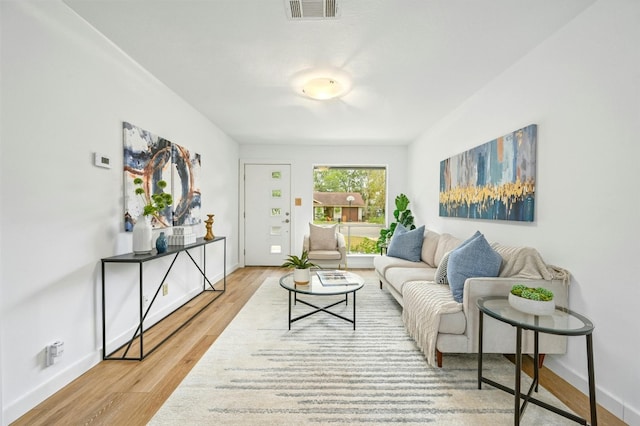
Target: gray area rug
324,372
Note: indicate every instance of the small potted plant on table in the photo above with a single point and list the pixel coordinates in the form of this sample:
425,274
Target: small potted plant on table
535,301
301,266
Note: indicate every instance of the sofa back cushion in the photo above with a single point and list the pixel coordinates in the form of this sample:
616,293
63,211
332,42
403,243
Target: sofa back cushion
473,258
406,244
429,246
446,242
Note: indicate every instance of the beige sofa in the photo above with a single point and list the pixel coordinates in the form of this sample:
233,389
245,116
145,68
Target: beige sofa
457,326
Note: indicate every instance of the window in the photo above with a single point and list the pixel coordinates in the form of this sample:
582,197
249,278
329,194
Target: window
355,198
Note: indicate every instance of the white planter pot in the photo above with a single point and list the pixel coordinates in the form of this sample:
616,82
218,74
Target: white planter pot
533,307
142,235
301,276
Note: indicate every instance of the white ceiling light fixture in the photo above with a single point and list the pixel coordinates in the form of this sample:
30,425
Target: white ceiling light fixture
323,88
321,83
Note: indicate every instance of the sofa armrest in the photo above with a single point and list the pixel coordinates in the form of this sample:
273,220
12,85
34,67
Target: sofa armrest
305,243
475,288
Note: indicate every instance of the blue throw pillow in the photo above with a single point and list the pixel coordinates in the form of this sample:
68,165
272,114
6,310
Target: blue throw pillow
473,258
406,244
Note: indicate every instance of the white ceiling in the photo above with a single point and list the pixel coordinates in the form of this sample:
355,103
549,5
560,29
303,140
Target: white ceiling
410,62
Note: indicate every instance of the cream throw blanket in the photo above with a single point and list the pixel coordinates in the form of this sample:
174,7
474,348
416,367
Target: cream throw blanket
526,262
424,303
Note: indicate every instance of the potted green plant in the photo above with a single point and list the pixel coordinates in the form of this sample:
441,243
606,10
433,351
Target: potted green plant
536,301
300,266
403,215
153,205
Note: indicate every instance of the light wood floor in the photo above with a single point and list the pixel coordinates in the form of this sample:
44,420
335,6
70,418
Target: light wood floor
130,392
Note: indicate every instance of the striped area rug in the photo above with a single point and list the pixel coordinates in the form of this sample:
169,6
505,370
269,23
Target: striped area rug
324,372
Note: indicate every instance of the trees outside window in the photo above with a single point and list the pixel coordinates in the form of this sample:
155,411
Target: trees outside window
355,198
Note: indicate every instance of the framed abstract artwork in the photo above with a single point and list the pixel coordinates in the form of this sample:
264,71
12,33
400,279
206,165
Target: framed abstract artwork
495,181
186,187
152,159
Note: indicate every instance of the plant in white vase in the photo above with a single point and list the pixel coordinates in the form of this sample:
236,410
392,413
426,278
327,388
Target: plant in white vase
301,266
153,205
535,301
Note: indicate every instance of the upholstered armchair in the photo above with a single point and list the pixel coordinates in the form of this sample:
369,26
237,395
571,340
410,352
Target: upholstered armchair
325,246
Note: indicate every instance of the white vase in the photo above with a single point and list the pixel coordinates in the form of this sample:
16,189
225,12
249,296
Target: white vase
142,235
533,307
301,276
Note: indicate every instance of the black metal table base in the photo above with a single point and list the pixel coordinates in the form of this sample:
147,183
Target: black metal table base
527,398
322,308
138,334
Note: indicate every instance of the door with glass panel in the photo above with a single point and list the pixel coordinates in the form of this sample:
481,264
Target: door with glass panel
267,216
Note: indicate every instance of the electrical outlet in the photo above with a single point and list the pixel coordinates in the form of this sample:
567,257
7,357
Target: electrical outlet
165,289
53,351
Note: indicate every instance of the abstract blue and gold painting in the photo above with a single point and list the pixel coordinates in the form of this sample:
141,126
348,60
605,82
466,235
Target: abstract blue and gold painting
495,181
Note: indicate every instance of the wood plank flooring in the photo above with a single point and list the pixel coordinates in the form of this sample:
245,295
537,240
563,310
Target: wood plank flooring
130,392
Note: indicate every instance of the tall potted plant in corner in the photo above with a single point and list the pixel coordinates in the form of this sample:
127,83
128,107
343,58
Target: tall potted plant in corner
153,205
301,266
403,215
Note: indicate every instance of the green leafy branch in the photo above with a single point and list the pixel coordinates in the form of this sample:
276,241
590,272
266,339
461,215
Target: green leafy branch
154,203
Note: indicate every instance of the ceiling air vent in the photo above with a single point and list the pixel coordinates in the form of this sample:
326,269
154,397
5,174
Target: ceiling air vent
311,9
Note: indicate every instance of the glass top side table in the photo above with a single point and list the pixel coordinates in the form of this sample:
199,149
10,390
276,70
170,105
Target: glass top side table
562,321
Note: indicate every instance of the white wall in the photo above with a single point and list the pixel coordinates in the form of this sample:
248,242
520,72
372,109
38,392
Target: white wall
582,88
302,160
65,92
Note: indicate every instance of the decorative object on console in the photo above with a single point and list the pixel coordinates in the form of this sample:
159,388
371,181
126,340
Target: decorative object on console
142,235
182,236
209,225
495,180
535,301
156,202
161,243
153,205
301,266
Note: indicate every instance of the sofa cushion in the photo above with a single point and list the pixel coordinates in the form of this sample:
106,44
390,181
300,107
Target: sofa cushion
397,277
446,242
474,258
325,255
406,244
429,246
383,263
322,237
453,323
441,271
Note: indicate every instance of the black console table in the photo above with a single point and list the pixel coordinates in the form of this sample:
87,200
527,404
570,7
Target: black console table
174,251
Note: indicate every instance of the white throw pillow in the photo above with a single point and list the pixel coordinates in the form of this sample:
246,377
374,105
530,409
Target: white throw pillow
322,237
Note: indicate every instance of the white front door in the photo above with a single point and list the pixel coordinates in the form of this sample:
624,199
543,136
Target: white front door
267,216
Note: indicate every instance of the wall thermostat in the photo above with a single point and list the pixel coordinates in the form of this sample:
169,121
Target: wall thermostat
101,160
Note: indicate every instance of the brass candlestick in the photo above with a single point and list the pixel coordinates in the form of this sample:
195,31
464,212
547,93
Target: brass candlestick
209,226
